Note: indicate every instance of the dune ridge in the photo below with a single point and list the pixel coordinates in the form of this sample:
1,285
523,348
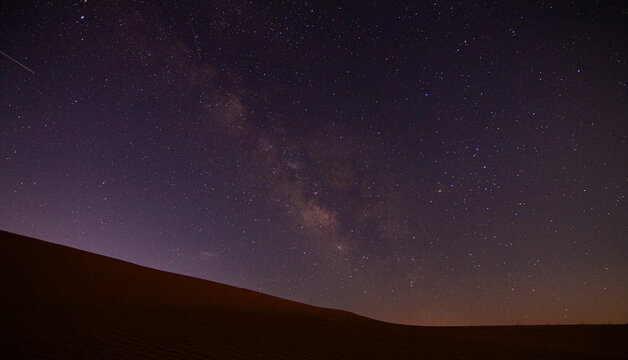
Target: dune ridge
59,302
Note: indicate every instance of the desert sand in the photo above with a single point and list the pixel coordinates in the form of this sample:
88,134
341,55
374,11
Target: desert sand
59,302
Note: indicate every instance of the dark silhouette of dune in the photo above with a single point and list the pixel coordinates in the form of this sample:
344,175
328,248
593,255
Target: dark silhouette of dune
59,302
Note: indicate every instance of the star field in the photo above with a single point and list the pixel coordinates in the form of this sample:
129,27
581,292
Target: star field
443,164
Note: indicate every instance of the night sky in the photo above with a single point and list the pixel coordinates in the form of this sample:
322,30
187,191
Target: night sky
451,163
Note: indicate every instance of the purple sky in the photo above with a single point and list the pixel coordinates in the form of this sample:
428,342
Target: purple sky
443,164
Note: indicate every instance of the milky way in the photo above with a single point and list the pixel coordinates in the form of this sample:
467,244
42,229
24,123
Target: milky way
443,164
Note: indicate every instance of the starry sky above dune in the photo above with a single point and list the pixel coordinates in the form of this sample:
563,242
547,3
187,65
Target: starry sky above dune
447,163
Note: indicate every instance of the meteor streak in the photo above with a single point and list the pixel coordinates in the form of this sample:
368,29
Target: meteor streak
19,63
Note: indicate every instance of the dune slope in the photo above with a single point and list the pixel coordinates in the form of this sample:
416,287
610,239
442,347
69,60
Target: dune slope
59,302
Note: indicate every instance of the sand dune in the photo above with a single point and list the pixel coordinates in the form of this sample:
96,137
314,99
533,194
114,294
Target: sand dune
59,302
